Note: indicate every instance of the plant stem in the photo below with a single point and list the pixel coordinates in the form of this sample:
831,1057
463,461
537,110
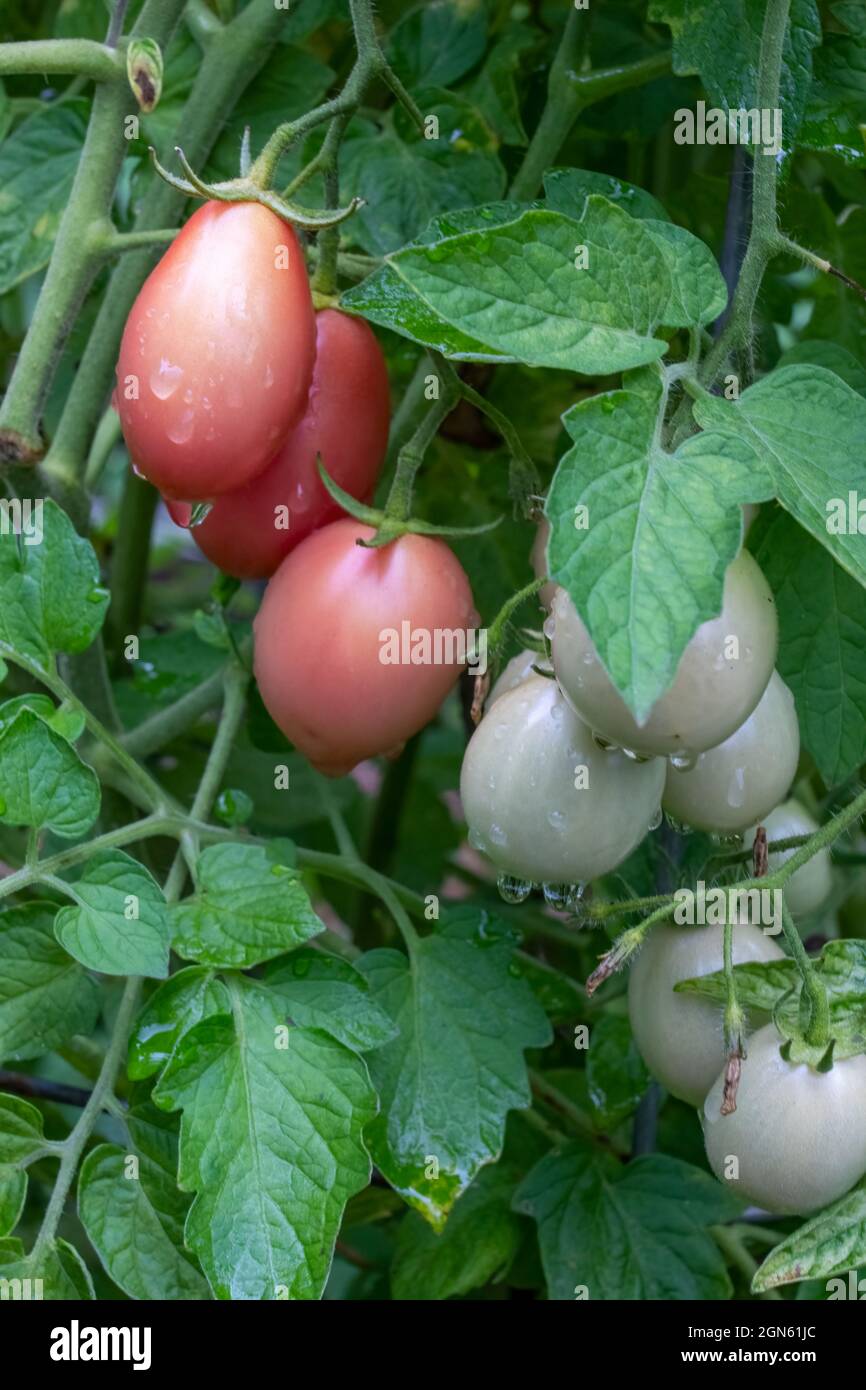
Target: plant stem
76,256
569,92
168,724
74,1145
817,1032
730,1241
83,57
764,239
399,504
16,1083
149,827
554,1097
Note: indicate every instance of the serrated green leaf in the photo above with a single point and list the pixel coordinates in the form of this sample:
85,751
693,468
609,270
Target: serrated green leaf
57,1273
495,88
626,1232
476,1247
324,991
447,1082
21,1132
405,183
830,355
50,595
721,41
698,291
517,288
650,567
119,923
38,163
807,427
834,114
13,1195
45,996
247,908
828,1245
822,642
69,723
566,190
437,42
43,782
134,1216
270,1143
175,1007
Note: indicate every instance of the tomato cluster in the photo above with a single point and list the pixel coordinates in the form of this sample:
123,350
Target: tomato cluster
230,389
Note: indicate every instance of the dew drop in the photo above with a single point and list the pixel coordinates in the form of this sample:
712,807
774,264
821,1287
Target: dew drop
684,761
498,835
678,826
97,595
656,820
513,890
165,379
477,840
603,743
181,431
549,627
557,820
269,377
556,895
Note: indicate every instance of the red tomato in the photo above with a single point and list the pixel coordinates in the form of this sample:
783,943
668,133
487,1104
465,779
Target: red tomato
217,353
249,531
321,634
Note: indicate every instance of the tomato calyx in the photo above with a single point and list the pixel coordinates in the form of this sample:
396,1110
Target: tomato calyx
388,526
247,190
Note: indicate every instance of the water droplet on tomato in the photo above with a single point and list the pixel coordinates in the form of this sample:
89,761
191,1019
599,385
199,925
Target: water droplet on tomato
513,890
557,895
165,379
181,431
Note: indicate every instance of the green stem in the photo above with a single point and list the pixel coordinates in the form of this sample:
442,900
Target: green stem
399,504
168,724
324,281
129,563
730,1241
764,239
83,57
74,1145
150,827
109,241
555,1098
817,1032
107,435
76,256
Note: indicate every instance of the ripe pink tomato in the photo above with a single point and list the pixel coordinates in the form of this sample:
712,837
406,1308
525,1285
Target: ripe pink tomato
321,633
249,531
217,353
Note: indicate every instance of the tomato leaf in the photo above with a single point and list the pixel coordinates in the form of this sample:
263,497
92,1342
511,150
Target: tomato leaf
134,1217
517,287
45,996
176,1006
813,454
118,924
477,1246
634,1232
616,1077
43,782
830,1244
21,1137
324,991
822,642
50,595
38,163
650,566
270,1143
447,1082
59,1269
248,907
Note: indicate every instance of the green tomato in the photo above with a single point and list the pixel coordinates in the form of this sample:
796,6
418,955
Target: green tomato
737,783
810,887
680,1036
543,802
798,1135
516,671
713,692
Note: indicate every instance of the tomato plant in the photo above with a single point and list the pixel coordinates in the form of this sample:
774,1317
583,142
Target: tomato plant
434,868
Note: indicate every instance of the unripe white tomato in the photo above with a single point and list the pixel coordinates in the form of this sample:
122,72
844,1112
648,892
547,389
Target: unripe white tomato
798,1136
810,886
713,691
737,783
542,800
516,671
680,1036
538,560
